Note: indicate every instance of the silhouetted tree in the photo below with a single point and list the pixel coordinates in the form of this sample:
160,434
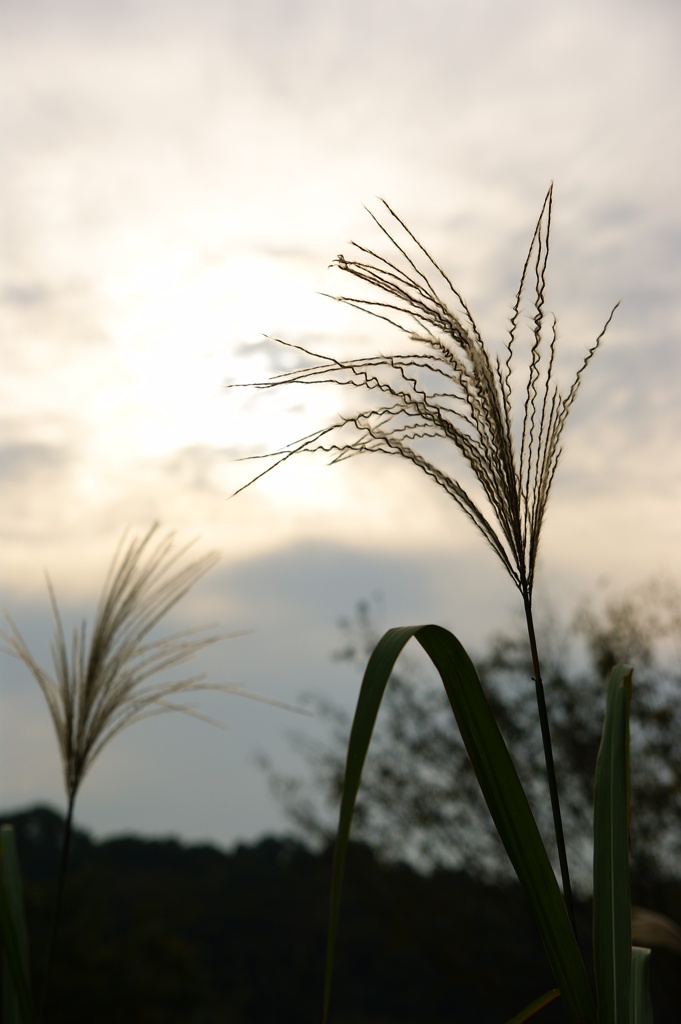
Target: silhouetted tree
420,801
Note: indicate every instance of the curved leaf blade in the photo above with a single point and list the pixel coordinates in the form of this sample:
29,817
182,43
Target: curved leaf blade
371,692
501,788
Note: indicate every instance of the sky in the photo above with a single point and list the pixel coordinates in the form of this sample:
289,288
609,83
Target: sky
176,178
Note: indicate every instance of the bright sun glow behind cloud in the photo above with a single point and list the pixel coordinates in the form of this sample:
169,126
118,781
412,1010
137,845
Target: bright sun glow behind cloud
178,320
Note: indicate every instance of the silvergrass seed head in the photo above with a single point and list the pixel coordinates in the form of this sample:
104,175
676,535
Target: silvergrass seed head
101,685
449,388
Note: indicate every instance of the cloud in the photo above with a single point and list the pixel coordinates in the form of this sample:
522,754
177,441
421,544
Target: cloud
31,462
26,294
177,178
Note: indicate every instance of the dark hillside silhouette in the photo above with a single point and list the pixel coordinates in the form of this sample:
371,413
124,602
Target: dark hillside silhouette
156,931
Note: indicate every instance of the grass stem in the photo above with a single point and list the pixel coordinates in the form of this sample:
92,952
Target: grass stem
548,757
58,900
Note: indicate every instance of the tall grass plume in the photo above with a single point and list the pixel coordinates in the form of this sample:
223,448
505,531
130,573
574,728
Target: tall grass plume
502,415
104,682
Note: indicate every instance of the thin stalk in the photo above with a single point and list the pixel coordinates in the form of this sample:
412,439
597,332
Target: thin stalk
58,900
548,757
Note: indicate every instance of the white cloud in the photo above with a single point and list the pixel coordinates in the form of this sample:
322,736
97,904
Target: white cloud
176,179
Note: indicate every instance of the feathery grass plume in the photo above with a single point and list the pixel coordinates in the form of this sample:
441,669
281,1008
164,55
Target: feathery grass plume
448,391
100,687
450,388
103,685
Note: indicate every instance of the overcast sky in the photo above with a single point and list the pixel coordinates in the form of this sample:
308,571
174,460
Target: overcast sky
176,178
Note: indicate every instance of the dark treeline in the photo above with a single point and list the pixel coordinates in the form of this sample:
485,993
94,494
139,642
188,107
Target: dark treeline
155,931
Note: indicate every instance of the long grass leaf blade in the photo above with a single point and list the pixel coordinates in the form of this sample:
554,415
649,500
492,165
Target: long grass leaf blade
371,692
17,1002
612,898
512,816
501,788
641,1008
535,1006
